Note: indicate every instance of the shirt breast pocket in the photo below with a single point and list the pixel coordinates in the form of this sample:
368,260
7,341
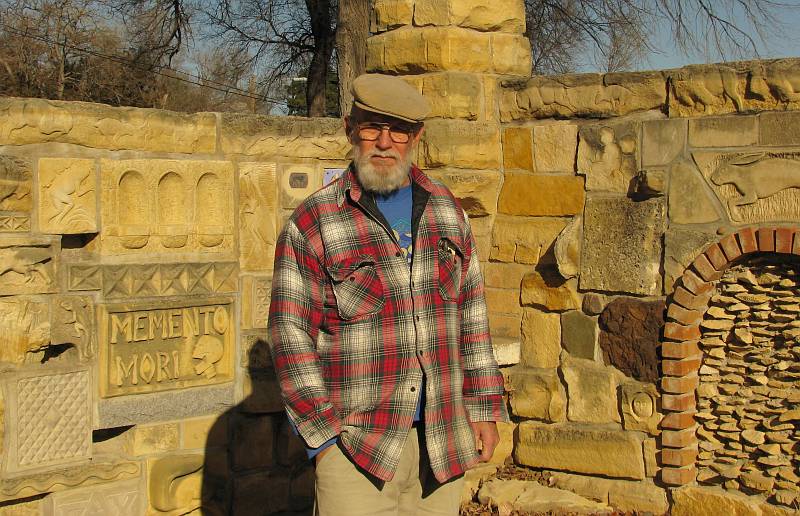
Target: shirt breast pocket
449,259
357,287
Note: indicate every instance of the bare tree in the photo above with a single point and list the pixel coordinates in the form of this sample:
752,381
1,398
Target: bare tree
351,48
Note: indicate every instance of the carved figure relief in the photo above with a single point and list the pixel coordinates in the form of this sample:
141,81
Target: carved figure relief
257,215
755,187
26,266
73,323
67,196
191,200
15,184
607,156
25,328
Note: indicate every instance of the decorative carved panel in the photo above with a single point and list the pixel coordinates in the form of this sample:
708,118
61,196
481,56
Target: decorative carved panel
27,265
24,328
67,196
118,499
257,215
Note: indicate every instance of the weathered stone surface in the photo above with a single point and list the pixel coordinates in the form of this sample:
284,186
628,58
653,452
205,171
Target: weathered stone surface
504,325
593,303
505,16
15,184
255,301
554,147
623,495
681,246
26,121
505,447
204,432
779,128
630,331
24,508
511,53
453,94
708,501
257,215
582,95
152,439
754,188
592,391
504,275
461,144
296,181
474,478
536,393
611,228
579,335
506,350
503,300
533,195
607,156
662,141
730,131
28,264
518,148
25,327
580,449
690,201
67,196
256,135
568,248
476,190
639,404
524,240
544,288
119,498
388,14
533,498
541,339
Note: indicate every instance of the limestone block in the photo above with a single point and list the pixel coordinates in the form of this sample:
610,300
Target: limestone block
583,95
624,495
119,498
662,141
67,196
476,190
258,205
25,329
461,144
175,483
536,393
252,442
165,406
163,206
607,156
256,292
681,246
754,187
518,148
388,14
568,248
152,439
524,240
503,16
511,53
592,391
540,195
51,418
730,131
151,346
690,199
708,501
504,275
580,449
28,264
261,493
541,339
554,147
204,432
779,128
271,136
630,335
639,403
56,479
27,121
611,228
15,184
545,289
72,323
580,334
454,95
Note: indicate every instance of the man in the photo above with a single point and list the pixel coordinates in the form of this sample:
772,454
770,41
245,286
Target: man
378,324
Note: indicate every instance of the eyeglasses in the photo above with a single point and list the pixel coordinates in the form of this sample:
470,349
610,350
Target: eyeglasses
371,131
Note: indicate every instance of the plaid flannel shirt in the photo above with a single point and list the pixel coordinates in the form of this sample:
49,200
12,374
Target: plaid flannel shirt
352,329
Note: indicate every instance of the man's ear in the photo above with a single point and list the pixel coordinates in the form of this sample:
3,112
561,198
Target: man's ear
348,128
418,136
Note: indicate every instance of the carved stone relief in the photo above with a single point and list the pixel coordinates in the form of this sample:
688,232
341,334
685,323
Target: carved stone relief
119,499
175,484
73,323
255,301
27,265
640,407
24,328
52,415
14,222
15,184
157,346
755,186
298,181
607,156
67,196
257,215
166,205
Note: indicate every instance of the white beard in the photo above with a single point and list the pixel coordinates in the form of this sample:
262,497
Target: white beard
386,179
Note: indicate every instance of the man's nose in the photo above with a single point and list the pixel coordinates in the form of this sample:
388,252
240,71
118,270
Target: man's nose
384,140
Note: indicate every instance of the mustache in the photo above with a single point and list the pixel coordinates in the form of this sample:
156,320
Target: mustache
382,154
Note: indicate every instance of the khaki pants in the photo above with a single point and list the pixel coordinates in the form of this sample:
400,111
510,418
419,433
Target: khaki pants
344,490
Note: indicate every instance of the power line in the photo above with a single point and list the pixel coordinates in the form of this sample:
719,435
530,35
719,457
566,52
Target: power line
157,69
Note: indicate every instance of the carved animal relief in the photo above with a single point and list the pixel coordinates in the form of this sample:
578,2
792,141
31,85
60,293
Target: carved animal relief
26,266
67,196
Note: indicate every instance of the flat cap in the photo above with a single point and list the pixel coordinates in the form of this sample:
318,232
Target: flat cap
391,96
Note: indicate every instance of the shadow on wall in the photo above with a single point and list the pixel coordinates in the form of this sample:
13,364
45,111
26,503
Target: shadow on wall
254,464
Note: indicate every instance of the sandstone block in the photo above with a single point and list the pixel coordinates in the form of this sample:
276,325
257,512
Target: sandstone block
612,227
541,339
151,439
476,190
554,147
255,293
579,335
205,432
504,325
529,497
536,393
731,131
504,275
388,14
23,508
454,94
630,336
681,246
29,264
779,128
548,291
503,301
258,206
296,181
524,240
707,501
690,201
518,148
624,495
511,53
607,156
568,248
17,202
461,144
580,449
506,350
662,141
592,391
165,406
541,195
504,16
296,137
506,445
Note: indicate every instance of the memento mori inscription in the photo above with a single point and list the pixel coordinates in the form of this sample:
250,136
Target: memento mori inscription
147,347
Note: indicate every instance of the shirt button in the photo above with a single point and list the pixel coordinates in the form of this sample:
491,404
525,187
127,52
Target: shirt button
398,253
413,389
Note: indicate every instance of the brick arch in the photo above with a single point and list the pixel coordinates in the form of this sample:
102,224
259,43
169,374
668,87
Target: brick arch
681,356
